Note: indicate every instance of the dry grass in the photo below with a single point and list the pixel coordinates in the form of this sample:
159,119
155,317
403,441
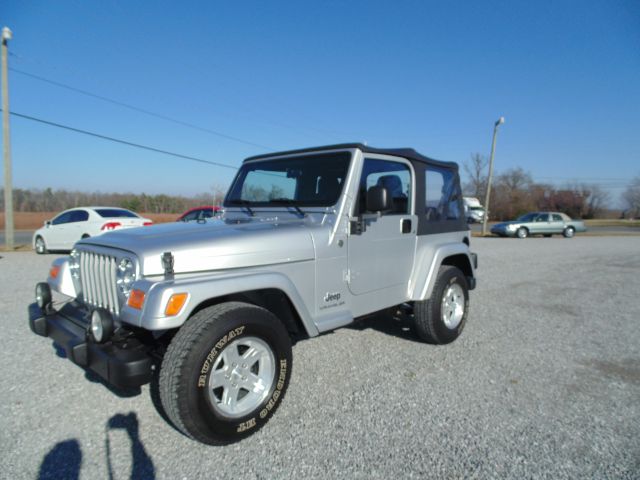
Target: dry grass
608,222
34,220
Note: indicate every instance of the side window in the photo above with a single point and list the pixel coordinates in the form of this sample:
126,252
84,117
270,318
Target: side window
557,218
206,213
62,219
394,176
190,216
79,216
542,218
442,195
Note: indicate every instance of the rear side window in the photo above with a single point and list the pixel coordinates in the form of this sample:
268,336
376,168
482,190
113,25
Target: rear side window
115,213
442,195
79,216
557,218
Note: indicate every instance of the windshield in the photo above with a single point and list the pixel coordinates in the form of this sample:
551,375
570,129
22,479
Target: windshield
114,213
528,217
310,180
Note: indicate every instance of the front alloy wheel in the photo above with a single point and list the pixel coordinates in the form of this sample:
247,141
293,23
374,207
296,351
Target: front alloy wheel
522,232
225,372
41,247
241,377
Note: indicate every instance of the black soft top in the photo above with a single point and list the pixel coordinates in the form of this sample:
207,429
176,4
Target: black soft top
408,153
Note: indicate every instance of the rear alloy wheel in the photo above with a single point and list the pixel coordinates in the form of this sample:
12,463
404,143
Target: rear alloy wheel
522,232
569,232
441,318
225,372
41,247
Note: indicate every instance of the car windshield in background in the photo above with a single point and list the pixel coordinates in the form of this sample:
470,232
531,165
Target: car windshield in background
114,213
528,217
310,180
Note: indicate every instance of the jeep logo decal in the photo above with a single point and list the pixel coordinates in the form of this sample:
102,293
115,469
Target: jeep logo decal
331,297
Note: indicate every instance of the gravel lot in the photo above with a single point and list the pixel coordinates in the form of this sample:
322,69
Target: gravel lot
543,383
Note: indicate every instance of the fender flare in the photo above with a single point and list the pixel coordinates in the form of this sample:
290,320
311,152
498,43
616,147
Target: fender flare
204,288
426,276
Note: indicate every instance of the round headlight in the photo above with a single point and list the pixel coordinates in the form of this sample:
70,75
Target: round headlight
101,325
511,227
43,295
125,276
74,263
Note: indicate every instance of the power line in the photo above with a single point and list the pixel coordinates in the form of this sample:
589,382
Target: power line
123,142
140,110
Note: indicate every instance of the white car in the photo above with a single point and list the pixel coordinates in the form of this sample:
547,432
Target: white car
67,228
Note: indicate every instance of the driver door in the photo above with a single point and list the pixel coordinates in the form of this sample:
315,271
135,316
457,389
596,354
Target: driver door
381,257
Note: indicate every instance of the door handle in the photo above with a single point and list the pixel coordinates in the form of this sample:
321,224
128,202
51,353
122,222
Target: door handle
406,225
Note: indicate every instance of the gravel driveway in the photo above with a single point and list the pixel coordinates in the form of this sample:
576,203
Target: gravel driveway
543,383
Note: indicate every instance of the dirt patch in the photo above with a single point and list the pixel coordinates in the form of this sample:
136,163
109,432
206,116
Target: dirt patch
34,220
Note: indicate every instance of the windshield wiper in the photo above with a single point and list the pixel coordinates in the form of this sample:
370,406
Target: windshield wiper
244,203
289,203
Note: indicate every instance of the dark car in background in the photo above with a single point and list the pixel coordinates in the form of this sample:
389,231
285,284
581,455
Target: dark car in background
199,213
539,223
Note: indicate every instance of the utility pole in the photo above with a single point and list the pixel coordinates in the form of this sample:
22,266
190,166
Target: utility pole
8,191
499,122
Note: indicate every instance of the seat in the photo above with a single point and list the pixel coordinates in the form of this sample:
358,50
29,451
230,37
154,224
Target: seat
393,184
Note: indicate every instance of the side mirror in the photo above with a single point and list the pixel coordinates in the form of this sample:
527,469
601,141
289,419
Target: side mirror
47,223
378,199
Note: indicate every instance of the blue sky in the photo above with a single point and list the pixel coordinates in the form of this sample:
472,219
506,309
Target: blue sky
429,75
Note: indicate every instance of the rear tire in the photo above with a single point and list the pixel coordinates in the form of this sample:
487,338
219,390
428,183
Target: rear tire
569,232
225,372
442,317
41,246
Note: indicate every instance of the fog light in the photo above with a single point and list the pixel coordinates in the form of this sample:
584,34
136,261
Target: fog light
101,327
43,295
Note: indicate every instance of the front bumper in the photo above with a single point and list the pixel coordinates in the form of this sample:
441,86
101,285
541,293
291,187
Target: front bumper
125,364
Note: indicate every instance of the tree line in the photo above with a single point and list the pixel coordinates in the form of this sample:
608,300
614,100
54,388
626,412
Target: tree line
513,192
49,200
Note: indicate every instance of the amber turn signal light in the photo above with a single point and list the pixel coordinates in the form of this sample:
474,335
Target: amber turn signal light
55,270
136,299
175,304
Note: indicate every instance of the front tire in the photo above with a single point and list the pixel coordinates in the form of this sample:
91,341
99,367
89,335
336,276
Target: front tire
41,246
569,232
442,317
225,372
522,232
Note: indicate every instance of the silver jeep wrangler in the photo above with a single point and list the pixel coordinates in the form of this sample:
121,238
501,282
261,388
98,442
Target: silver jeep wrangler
309,241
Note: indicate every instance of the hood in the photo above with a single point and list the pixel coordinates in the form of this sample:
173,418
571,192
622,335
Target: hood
213,245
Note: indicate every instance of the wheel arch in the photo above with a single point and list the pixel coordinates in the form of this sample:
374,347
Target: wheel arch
274,300
273,291
456,255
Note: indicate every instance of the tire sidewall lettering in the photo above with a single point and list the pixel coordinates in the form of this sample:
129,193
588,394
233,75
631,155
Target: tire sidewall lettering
215,351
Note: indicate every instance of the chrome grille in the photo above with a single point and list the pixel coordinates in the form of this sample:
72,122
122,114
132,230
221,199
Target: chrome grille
98,279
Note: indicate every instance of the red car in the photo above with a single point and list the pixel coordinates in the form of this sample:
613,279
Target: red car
199,213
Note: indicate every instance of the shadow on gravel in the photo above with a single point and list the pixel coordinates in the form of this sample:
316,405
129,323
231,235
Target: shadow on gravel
64,460
141,463
397,324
